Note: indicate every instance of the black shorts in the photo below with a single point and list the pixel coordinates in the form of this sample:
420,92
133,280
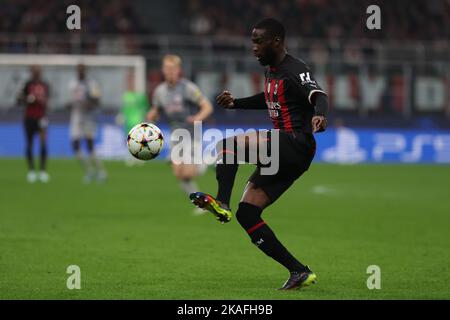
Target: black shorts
33,126
296,152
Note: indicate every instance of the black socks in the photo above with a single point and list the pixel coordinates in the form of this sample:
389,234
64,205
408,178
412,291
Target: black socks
226,169
249,217
225,174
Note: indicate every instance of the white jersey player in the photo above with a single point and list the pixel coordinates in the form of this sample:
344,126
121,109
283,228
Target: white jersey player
85,98
183,103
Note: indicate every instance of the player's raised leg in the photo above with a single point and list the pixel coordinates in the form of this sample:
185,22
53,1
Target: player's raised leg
230,152
226,169
96,163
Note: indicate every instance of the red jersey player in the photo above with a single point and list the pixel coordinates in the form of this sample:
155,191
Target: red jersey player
34,96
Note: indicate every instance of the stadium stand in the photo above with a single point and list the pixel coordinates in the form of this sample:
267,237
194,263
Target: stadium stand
369,74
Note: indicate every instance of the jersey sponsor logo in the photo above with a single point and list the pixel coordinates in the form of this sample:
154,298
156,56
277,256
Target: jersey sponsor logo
39,92
305,78
275,89
272,103
273,108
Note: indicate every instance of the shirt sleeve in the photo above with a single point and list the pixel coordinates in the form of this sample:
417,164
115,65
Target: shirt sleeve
257,101
320,105
303,82
193,93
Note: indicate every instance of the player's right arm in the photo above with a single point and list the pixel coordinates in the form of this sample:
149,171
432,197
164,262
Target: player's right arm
227,100
22,94
23,97
153,113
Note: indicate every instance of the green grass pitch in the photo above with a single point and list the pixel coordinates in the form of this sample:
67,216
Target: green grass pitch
135,237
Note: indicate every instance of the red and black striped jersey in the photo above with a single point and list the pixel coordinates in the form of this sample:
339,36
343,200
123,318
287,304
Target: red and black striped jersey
288,91
36,95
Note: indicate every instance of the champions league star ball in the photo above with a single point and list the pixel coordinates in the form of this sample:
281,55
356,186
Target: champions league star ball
145,141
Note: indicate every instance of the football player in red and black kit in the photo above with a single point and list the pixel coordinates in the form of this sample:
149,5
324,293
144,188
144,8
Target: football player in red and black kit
298,108
34,96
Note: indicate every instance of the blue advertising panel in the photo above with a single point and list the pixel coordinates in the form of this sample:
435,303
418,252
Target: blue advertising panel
342,145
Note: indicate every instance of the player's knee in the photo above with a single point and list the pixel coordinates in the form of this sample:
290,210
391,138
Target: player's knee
189,172
183,174
220,145
176,170
43,149
248,215
255,196
225,148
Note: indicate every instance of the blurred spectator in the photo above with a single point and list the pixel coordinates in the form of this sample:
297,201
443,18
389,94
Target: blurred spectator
43,16
401,19
31,17
332,19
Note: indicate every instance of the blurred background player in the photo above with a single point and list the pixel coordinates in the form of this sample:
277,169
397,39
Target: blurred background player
84,106
34,96
134,109
183,103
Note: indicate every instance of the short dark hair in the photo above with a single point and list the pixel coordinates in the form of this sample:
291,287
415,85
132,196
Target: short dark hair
274,27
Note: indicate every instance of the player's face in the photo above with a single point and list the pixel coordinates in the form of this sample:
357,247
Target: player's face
263,47
171,71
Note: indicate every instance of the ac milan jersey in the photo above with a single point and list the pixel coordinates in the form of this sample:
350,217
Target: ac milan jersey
36,95
288,89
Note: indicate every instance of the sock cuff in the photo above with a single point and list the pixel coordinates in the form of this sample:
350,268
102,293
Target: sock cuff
249,217
255,227
250,208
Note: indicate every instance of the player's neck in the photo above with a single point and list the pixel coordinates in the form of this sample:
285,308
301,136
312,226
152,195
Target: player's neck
279,59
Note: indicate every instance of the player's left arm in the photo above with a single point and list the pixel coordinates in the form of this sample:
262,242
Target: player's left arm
319,120
153,113
205,108
305,84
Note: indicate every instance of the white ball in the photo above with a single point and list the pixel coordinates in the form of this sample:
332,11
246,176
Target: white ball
145,141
